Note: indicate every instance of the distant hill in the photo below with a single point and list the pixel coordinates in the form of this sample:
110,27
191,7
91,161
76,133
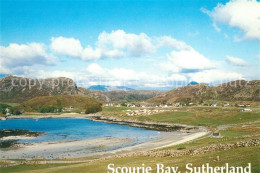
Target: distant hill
2,75
15,89
18,89
193,83
127,96
109,88
239,90
72,102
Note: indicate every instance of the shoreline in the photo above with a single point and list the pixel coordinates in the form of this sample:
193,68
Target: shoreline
162,141
169,135
95,148
61,149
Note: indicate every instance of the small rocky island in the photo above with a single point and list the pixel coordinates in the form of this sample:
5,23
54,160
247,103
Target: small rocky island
9,137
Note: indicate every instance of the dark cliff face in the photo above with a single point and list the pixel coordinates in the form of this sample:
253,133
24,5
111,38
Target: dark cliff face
18,89
239,90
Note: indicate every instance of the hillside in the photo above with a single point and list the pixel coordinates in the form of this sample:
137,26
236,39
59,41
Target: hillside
18,89
239,90
128,96
74,103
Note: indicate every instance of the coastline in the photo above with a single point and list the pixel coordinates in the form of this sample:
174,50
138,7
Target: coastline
98,117
95,148
61,149
169,134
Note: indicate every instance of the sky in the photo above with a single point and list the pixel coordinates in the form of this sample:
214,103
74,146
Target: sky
144,44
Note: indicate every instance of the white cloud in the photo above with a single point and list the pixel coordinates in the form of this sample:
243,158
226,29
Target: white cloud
73,48
66,46
89,53
187,61
176,77
109,45
172,43
216,27
20,55
243,14
95,74
122,76
96,70
213,76
183,63
236,61
135,44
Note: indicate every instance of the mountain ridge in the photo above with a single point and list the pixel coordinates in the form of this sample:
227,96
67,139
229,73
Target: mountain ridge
239,90
19,89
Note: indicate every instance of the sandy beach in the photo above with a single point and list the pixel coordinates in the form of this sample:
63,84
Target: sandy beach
61,149
94,148
165,139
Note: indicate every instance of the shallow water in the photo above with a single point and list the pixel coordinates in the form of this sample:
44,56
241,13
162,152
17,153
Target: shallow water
65,129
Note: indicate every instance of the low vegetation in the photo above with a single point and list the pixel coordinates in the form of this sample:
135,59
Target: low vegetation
7,143
3,108
61,103
237,126
17,132
239,90
7,109
14,132
198,116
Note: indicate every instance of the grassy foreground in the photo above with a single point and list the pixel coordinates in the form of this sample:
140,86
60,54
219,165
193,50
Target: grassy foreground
249,155
245,126
235,157
198,116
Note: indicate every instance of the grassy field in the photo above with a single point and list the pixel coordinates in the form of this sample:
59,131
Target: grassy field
198,116
11,104
250,155
230,135
206,116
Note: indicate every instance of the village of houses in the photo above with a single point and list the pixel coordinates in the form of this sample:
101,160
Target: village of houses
149,109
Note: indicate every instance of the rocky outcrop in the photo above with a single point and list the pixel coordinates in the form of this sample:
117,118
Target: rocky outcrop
239,90
19,89
146,125
201,150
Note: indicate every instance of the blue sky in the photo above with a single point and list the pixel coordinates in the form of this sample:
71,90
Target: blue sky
49,39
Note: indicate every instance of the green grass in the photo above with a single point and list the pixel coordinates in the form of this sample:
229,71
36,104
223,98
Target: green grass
171,117
234,134
250,155
114,109
198,116
214,118
27,167
195,116
78,102
11,104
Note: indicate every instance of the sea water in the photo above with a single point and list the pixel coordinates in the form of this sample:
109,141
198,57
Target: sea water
66,129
